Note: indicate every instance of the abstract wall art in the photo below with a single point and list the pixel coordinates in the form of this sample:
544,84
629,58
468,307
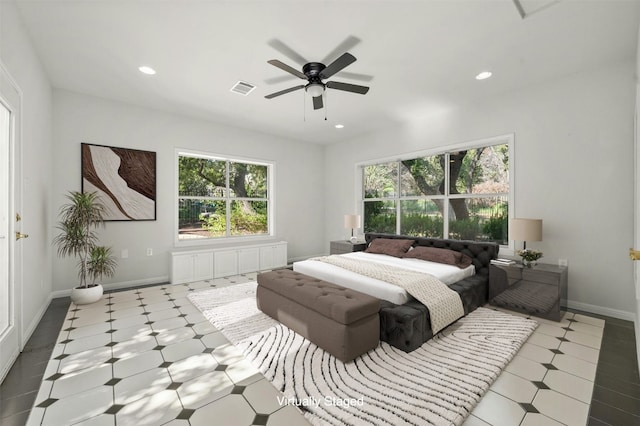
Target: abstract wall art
125,180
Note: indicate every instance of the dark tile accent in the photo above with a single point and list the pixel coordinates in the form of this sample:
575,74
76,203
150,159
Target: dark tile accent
159,348
541,385
550,366
221,367
111,331
529,408
174,385
67,341
148,322
208,350
557,351
189,325
113,382
61,357
562,339
114,409
47,402
260,419
54,376
111,344
165,364
185,414
111,361
182,315
153,333
198,336
69,329
237,390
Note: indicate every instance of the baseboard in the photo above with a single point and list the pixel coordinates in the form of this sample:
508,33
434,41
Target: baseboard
120,285
12,359
27,332
600,310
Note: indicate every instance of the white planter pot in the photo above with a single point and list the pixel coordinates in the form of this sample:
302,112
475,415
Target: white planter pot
83,296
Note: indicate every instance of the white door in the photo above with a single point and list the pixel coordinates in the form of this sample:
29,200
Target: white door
10,247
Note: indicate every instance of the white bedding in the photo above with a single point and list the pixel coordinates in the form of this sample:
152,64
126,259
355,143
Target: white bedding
448,274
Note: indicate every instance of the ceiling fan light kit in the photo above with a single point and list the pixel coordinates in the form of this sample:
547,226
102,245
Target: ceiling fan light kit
314,73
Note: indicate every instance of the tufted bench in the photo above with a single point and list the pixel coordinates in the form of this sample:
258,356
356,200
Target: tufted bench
341,321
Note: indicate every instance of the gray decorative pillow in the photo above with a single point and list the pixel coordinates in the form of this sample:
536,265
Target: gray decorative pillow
432,254
390,246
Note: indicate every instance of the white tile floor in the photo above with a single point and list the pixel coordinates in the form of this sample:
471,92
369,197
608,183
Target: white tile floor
148,356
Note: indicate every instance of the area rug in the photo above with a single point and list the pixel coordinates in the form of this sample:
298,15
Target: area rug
437,384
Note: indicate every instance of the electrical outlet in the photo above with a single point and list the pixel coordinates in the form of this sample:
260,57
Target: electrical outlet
149,252
124,253
563,262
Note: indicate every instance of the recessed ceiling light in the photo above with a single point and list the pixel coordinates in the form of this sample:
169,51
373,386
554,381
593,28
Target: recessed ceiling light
483,75
339,126
146,70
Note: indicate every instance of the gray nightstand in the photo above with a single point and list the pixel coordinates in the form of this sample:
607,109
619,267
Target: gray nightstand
341,247
536,291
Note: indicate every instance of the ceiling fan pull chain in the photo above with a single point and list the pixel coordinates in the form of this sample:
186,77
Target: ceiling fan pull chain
326,105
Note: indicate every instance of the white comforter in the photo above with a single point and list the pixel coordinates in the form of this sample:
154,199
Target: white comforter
446,273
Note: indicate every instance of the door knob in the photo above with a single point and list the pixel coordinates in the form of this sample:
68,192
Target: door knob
20,235
634,254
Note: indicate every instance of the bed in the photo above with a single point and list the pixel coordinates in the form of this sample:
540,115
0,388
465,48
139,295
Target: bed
405,322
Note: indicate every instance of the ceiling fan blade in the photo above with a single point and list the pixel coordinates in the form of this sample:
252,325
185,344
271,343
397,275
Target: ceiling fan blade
287,68
282,92
345,46
337,65
280,79
353,88
317,102
356,76
288,52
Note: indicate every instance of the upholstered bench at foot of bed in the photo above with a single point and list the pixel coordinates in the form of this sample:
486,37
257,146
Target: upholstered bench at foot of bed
341,321
408,326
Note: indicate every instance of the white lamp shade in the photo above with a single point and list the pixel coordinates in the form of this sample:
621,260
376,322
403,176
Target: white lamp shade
526,229
352,221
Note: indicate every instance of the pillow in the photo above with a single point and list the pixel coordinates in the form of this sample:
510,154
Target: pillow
390,246
449,257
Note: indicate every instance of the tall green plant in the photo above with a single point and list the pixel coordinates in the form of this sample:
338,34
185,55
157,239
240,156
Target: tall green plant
78,220
101,263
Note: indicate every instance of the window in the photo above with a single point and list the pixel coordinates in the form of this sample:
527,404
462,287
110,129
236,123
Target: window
458,194
222,197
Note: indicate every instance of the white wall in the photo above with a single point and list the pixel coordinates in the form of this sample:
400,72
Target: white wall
21,61
573,168
80,118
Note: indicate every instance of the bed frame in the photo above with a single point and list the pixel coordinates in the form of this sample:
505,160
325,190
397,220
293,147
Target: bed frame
408,326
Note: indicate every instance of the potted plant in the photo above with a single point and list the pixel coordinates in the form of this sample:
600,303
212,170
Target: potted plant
79,219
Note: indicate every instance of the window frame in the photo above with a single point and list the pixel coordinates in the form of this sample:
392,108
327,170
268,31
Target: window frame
507,139
228,199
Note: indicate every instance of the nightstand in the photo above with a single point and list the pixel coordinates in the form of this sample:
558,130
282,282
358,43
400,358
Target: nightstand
536,291
341,247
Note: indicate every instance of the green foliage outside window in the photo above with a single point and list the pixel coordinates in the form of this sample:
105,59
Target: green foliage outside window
208,188
473,205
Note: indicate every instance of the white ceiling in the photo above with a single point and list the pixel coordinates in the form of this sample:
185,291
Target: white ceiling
422,55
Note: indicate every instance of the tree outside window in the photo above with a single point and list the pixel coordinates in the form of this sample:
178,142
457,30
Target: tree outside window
219,198
460,194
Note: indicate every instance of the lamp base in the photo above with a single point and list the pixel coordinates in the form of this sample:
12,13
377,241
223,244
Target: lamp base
353,239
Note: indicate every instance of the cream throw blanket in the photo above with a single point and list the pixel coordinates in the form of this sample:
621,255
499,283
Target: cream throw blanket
444,304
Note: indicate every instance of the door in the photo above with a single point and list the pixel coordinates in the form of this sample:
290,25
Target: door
635,255
10,247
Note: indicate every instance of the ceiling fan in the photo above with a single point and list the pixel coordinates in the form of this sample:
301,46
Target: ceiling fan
314,73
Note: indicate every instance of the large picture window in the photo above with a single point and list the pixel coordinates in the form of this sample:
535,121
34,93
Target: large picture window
222,197
458,194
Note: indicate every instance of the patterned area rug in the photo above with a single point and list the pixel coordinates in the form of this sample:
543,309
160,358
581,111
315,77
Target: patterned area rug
437,384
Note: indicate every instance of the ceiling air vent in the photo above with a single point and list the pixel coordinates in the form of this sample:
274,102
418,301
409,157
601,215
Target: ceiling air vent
243,88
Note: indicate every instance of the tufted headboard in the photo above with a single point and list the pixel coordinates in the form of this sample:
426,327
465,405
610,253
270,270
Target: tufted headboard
481,253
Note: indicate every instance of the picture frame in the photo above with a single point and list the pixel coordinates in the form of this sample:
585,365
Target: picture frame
124,178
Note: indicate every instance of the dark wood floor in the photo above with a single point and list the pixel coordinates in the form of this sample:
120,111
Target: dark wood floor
615,401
